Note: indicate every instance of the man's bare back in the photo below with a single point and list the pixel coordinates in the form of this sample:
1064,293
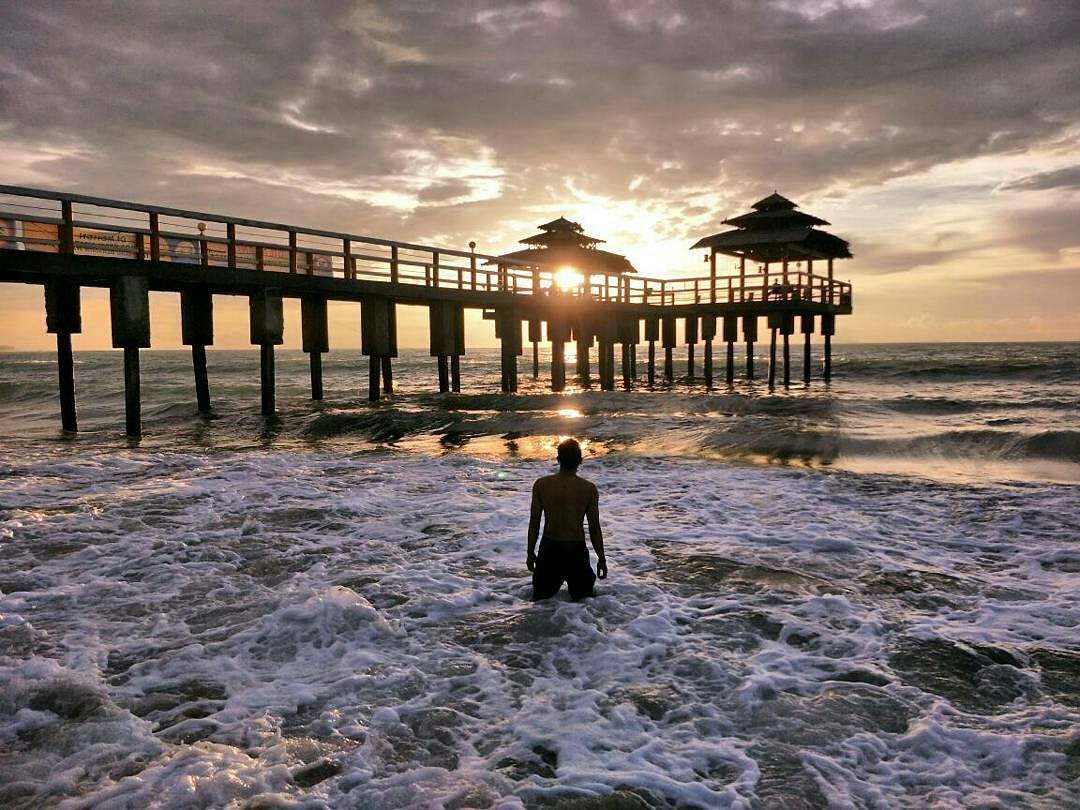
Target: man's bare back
565,501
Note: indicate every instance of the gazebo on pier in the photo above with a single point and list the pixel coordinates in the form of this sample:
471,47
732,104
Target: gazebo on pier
562,242
775,231
564,246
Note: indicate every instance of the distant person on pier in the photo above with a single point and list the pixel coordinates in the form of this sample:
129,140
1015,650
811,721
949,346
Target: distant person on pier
566,501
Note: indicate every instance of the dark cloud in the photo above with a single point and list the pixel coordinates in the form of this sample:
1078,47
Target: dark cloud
479,110
1066,178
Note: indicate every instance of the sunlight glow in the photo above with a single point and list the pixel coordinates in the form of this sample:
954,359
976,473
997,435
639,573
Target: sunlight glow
567,278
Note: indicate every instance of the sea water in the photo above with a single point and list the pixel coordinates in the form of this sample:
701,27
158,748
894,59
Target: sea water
856,595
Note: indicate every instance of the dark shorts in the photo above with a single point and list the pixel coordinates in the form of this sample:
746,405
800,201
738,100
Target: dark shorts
562,562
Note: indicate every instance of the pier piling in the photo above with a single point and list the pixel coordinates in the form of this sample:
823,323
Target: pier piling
129,308
197,331
808,331
652,334
669,340
690,330
772,354
63,317
787,326
558,333
267,331
584,346
750,335
378,342
535,336
510,335
315,337
708,332
828,329
731,334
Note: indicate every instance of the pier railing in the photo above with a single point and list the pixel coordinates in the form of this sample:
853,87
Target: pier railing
53,222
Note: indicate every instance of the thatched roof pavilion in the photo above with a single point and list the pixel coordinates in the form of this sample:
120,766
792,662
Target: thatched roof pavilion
775,231
564,242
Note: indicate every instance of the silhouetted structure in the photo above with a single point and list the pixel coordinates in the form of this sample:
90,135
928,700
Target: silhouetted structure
564,244
68,241
776,231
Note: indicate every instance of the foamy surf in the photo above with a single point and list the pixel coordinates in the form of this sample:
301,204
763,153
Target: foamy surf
350,628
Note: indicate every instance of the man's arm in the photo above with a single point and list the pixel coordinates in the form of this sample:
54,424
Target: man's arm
596,535
535,510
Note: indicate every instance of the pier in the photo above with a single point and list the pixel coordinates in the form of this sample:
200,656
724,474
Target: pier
65,242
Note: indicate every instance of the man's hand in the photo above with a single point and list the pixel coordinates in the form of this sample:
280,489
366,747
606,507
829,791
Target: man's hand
530,561
601,567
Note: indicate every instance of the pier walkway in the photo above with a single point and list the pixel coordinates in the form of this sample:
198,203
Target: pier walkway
68,241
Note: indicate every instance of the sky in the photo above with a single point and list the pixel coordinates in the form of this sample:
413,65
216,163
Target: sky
940,137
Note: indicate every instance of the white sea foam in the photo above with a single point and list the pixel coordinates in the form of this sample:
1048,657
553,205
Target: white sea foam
341,629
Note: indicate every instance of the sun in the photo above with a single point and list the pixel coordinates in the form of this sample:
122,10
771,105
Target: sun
567,278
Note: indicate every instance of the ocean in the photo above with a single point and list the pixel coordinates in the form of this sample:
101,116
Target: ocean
854,595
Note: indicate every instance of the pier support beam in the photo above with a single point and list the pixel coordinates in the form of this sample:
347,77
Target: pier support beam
535,336
690,333
750,335
628,337
669,340
267,331
787,327
708,332
316,338
129,307
558,333
808,331
197,331
441,320
584,345
378,342
63,317
509,332
458,315
773,328
731,334
652,334
828,329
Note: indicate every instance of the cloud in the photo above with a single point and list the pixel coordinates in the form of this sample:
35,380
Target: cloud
469,120
1064,178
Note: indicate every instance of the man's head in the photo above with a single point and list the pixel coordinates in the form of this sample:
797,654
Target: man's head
569,455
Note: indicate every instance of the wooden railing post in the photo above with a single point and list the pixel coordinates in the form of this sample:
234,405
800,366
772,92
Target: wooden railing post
140,246
155,237
230,230
292,251
349,267
472,270
434,268
204,250
260,263
67,228
394,270
712,276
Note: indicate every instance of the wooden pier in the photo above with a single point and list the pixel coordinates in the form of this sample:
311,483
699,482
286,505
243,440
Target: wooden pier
65,242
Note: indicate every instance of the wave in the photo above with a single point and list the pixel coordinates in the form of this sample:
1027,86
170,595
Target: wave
827,446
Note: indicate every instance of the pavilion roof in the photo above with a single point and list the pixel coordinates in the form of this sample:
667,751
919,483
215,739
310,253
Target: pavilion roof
774,230
584,260
564,242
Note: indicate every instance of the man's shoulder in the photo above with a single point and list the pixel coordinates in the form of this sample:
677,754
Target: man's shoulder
589,485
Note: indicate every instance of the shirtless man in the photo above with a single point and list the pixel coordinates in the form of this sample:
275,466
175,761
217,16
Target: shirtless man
565,501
